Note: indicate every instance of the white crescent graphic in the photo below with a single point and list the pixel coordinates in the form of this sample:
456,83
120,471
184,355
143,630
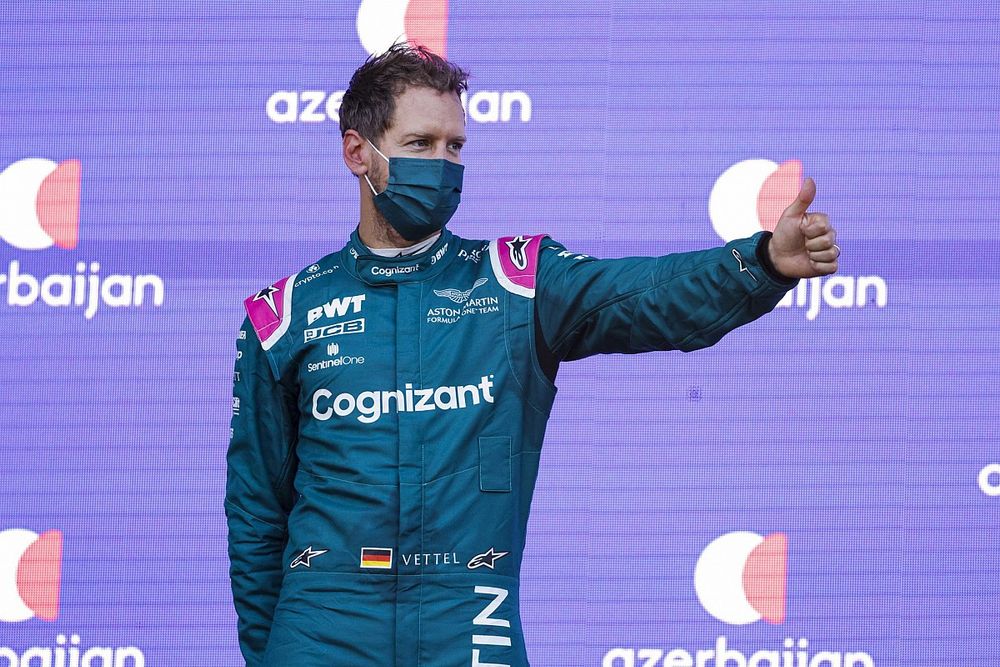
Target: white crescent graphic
13,544
732,206
19,186
718,578
381,23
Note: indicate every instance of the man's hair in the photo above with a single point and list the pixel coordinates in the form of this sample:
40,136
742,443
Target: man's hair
370,100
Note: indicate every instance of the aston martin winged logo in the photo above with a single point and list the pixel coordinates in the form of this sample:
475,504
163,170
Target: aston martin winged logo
461,296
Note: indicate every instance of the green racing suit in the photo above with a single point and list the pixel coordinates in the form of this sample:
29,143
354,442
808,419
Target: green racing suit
388,416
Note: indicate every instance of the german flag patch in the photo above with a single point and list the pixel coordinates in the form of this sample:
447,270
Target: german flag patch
372,557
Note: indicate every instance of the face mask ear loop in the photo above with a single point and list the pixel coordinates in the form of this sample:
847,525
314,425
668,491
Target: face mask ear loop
383,157
376,149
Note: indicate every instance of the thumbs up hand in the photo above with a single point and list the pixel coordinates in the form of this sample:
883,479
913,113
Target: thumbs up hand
802,245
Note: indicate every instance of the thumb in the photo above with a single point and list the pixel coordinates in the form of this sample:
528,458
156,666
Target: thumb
805,197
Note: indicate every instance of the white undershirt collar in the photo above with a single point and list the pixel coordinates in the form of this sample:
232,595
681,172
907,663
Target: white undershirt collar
409,250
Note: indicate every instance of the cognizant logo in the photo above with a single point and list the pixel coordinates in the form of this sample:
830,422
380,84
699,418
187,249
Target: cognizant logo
371,405
394,270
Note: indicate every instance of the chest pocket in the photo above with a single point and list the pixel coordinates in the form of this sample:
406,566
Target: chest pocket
494,463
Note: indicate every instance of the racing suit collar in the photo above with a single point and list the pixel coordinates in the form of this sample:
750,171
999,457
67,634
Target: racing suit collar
375,270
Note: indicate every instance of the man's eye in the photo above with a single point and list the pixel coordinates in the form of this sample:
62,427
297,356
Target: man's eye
457,146
419,142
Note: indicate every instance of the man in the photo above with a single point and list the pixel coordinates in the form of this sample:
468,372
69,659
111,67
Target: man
391,399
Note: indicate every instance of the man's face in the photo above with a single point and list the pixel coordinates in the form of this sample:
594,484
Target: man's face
426,124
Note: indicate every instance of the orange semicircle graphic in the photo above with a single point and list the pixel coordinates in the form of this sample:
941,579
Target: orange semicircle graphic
39,575
58,204
778,192
427,24
765,577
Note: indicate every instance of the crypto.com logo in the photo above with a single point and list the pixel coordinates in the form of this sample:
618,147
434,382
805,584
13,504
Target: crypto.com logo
30,567
741,577
382,23
40,204
750,196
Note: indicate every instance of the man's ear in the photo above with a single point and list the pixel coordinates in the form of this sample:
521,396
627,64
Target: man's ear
356,153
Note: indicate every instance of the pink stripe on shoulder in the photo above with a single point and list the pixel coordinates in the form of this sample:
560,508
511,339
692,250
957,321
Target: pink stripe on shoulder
266,309
518,257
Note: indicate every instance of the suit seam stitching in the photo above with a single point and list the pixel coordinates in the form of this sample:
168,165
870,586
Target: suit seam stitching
341,479
230,503
523,390
626,295
621,297
728,315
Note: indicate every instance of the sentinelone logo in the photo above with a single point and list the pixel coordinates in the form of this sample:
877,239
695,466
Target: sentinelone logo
749,197
380,24
740,578
30,579
39,209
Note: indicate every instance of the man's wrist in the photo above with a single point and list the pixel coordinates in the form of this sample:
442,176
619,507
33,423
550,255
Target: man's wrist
764,258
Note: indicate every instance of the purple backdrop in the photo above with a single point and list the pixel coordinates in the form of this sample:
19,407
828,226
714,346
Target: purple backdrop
856,424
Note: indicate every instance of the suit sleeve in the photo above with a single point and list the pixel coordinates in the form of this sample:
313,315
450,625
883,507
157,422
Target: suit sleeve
683,301
259,493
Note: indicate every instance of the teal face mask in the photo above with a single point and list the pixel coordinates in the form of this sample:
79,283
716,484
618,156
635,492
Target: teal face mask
421,196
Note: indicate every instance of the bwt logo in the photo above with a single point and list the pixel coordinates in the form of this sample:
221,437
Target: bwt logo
750,196
382,23
741,577
30,567
40,204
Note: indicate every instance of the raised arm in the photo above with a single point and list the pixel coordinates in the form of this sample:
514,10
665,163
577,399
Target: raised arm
681,301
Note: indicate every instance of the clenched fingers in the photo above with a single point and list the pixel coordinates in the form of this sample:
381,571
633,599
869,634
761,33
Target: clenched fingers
822,242
815,225
824,268
826,255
